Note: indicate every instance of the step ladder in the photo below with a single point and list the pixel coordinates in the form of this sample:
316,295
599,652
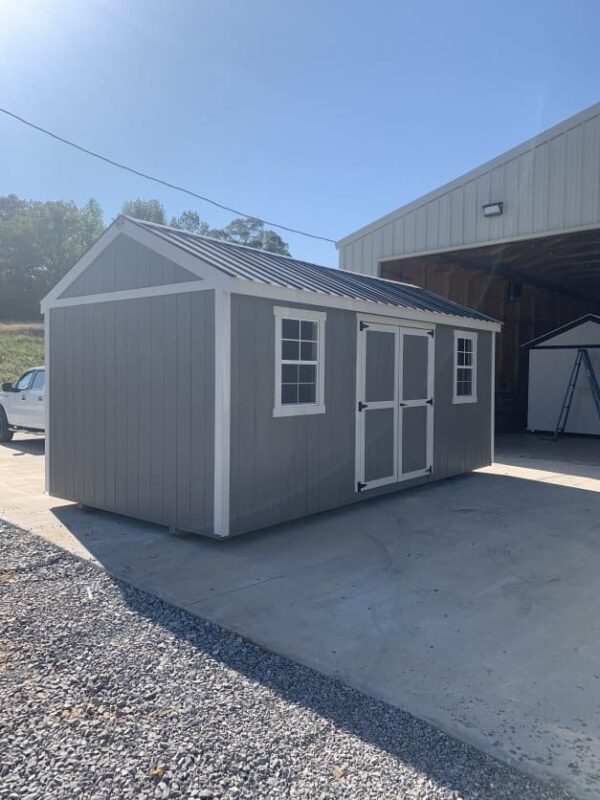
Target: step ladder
583,357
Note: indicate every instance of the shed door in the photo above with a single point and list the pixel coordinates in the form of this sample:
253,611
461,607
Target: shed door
416,403
394,411
377,405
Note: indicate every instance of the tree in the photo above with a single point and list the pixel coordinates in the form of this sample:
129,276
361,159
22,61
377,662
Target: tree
39,243
150,210
242,230
190,221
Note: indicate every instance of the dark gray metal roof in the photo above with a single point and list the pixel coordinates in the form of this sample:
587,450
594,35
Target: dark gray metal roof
260,266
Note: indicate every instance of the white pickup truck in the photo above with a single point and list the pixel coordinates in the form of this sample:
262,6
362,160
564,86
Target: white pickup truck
22,404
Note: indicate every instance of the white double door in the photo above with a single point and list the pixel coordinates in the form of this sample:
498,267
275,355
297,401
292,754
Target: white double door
394,404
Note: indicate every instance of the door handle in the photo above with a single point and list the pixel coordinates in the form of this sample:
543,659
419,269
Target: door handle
23,397
40,398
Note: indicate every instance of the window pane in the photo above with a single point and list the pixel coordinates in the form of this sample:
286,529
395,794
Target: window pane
289,373
290,351
24,382
463,374
307,393
308,351
309,331
39,380
307,373
468,345
289,393
290,329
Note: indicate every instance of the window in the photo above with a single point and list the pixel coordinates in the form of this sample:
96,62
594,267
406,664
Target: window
299,362
39,380
24,381
465,367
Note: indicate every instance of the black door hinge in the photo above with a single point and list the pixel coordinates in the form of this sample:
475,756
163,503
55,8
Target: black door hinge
360,486
429,470
362,405
431,333
430,401
363,325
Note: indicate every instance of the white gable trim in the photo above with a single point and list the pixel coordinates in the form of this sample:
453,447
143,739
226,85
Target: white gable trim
134,294
190,263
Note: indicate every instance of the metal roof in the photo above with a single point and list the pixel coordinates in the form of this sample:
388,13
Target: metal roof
562,329
260,266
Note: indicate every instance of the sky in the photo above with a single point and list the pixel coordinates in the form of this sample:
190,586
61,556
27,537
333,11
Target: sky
321,116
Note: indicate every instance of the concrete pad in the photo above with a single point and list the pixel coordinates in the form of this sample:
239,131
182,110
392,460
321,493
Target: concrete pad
472,603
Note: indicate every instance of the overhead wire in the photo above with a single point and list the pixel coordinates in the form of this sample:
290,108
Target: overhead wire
160,181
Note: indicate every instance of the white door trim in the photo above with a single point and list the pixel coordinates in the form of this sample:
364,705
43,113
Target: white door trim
400,330
360,416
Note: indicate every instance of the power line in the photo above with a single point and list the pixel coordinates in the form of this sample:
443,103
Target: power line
158,180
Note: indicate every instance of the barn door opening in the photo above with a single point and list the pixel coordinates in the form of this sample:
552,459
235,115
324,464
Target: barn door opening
394,404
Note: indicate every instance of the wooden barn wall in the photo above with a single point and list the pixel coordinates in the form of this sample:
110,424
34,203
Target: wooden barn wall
535,312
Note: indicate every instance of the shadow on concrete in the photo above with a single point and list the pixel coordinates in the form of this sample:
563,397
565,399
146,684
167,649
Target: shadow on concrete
35,446
469,603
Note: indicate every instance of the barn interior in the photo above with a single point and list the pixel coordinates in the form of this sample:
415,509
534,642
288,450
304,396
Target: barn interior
532,285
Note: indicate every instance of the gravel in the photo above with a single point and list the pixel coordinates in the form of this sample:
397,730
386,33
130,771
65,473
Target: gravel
108,692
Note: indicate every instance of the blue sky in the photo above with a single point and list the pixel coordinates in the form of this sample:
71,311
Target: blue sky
320,115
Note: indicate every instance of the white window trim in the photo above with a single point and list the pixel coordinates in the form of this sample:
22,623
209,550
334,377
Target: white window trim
464,398
300,409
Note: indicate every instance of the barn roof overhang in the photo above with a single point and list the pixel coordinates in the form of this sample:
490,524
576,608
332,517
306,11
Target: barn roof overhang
566,262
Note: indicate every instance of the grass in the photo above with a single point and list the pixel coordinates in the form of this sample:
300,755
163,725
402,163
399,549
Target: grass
21,347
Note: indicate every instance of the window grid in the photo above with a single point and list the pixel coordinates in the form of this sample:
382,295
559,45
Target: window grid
299,362
464,368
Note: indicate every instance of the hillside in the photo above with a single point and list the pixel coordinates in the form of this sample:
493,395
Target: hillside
21,347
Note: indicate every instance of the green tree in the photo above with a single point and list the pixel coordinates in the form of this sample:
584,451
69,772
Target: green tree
150,210
241,230
251,232
190,221
39,243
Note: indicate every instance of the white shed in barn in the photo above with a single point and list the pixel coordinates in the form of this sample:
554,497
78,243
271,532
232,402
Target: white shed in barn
551,360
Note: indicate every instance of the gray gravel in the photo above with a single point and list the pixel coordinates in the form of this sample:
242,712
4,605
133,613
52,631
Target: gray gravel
107,692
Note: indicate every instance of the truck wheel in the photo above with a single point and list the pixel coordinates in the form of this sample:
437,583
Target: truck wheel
5,433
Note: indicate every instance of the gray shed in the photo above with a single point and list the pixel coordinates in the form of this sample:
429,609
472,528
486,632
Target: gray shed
219,389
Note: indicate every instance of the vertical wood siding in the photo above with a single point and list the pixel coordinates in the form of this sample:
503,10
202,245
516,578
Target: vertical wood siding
287,467
548,185
131,407
126,264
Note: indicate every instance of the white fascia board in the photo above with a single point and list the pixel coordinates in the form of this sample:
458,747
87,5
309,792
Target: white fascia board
289,295
508,155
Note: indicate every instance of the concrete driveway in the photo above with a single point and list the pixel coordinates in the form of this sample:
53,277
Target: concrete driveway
473,603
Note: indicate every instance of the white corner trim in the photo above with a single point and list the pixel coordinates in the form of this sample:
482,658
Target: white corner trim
470,398
47,401
299,409
222,412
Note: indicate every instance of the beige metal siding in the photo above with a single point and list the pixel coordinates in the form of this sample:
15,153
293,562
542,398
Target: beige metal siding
126,264
549,184
131,407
